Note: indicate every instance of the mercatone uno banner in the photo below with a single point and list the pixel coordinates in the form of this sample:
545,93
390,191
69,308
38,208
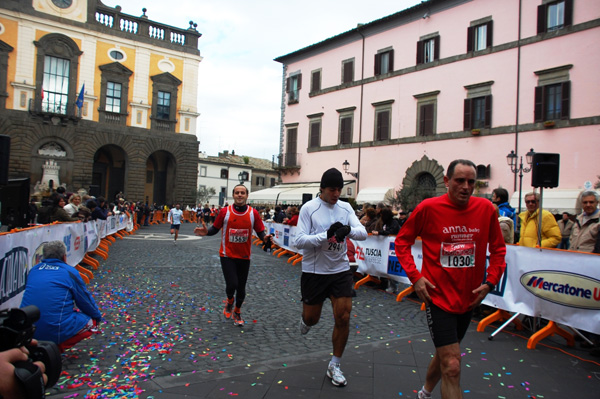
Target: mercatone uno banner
562,286
22,250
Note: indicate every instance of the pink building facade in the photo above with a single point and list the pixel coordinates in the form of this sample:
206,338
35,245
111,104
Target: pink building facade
401,97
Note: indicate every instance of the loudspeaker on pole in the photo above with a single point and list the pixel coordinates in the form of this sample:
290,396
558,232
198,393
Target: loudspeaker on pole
4,157
545,170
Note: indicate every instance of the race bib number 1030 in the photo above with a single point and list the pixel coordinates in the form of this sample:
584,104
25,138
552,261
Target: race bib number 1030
457,254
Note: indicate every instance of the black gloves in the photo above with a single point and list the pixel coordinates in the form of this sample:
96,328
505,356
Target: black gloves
333,228
267,245
341,233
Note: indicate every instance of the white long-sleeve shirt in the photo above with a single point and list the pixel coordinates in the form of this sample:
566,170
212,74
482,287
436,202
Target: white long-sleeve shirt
320,255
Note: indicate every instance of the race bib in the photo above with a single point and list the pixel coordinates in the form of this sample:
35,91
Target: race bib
457,254
333,246
238,235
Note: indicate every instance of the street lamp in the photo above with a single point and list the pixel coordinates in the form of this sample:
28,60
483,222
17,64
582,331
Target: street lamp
511,159
242,177
346,165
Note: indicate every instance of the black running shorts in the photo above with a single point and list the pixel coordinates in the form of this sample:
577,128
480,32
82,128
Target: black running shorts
447,328
318,287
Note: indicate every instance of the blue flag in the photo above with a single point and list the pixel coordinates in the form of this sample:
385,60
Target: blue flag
79,102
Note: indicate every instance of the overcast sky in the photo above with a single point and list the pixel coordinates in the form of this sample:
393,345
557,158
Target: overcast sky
239,95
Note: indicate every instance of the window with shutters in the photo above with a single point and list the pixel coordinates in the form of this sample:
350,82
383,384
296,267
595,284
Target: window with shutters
315,81
552,101
346,129
348,71
478,106
426,118
292,88
291,147
479,35
384,61
554,15
224,174
383,120
553,94
428,49
202,171
315,133
426,113
260,181
478,112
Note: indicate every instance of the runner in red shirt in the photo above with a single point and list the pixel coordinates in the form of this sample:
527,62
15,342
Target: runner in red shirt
238,221
456,230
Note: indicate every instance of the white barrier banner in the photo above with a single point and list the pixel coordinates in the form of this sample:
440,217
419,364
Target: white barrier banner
22,250
561,286
283,235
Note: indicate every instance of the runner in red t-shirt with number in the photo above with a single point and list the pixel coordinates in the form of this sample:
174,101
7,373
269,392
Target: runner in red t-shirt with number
456,230
238,221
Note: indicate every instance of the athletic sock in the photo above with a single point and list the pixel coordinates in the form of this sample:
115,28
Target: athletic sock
335,360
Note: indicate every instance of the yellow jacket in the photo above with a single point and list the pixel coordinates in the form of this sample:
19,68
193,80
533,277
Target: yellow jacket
529,227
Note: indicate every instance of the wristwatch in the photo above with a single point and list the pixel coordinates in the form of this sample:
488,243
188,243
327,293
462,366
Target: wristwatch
492,286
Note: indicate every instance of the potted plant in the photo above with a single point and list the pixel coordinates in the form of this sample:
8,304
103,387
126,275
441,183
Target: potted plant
475,132
548,124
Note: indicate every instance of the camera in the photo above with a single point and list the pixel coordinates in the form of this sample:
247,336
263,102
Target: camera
16,330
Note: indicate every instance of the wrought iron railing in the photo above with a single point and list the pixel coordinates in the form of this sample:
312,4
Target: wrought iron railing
287,161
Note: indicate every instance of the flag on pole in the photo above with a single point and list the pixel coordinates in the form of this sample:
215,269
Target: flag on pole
79,102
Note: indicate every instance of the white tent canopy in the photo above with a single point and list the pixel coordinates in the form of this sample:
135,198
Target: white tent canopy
554,200
287,194
373,195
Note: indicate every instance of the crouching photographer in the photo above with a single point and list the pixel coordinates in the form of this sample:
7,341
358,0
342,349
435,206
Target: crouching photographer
27,366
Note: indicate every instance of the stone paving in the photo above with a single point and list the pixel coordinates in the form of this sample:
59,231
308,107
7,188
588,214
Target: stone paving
165,337
162,302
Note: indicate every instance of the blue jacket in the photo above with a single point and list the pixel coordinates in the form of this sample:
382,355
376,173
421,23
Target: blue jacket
504,209
55,287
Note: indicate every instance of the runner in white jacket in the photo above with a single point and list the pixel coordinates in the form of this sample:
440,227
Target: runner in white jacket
323,225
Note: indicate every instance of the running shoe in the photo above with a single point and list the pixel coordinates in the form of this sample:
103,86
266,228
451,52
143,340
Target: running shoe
336,375
237,319
227,310
421,395
304,329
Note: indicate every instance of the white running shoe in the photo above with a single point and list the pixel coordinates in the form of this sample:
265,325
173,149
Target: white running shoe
336,375
421,395
304,329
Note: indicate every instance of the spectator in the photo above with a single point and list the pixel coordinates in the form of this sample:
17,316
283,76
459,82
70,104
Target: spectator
389,224
500,199
529,225
54,287
43,216
293,216
101,210
84,214
73,206
279,215
371,219
32,211
402,216
58,214
566,227
584,236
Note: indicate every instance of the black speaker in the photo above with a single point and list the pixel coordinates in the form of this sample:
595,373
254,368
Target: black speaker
544,170
4,157
94,190
306,197
14,197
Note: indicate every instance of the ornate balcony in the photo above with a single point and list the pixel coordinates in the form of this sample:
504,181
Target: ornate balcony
112,20
288,162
